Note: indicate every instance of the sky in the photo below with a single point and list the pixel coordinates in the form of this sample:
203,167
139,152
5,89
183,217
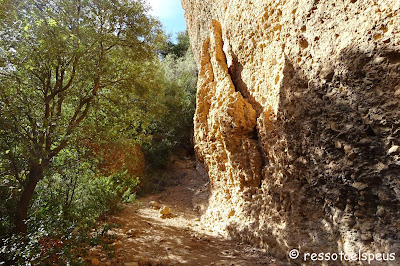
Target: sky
170,13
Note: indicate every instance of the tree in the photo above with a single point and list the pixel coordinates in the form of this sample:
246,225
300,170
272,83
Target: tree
56,58
180,48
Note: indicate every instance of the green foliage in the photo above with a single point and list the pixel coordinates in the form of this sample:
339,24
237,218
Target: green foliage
70,71
77,76
179,49
57,57
6,204
76,191
175,127
69,246
64,209
58,60
124,114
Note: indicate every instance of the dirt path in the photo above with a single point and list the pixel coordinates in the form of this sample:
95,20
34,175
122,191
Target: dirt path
145,238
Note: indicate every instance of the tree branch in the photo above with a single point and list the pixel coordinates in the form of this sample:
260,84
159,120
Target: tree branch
15,168
76,119
69,83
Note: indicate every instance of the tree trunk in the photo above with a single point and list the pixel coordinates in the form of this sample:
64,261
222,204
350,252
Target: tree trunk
21,215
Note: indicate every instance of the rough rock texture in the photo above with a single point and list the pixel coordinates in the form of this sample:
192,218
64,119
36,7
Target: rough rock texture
297,121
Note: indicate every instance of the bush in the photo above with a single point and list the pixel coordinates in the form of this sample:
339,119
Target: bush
65,207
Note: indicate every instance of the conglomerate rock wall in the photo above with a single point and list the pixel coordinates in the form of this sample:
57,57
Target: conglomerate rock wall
297,121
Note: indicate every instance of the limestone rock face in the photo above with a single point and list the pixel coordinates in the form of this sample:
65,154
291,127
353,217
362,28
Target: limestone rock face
298,121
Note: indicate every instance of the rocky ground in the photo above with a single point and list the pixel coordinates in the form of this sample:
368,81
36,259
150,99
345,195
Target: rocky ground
166,229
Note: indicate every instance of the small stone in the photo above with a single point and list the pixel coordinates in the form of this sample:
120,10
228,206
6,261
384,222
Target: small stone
154,205
95,261
394,150
348,149
165,211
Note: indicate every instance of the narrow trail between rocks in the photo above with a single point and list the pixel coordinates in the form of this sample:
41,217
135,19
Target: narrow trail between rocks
143,237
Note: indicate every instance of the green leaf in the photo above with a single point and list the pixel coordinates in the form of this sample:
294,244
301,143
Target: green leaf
52,22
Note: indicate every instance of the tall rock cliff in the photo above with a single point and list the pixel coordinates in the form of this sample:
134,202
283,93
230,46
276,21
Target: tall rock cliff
298,121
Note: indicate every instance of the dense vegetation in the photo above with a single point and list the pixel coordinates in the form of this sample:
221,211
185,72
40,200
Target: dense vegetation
89,91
